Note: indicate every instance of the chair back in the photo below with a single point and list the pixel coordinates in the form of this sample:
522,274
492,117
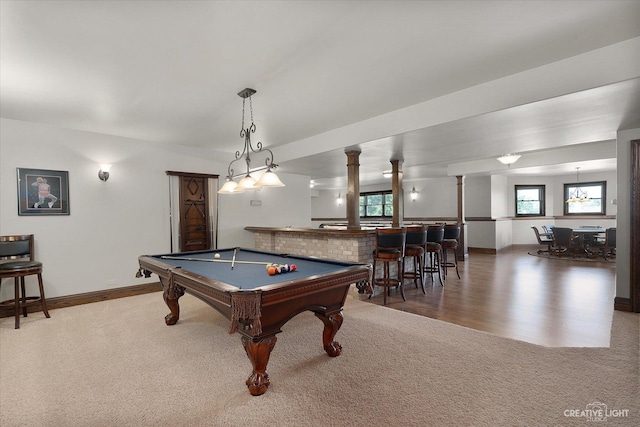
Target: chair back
416,235
435,233
451,232
392,238
18,247
542,240
563,236
610,241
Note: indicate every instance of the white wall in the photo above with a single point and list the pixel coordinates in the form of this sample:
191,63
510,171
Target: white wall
278,207
437,197
477,196
114,222
499,198
324,204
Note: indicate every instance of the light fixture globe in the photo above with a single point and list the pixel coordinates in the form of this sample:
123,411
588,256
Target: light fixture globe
230,187
413,194
269,179
103,173
247,183
509,159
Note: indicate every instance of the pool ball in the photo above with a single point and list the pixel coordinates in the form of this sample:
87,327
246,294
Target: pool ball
216,256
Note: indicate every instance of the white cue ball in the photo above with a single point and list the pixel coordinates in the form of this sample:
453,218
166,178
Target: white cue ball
216,256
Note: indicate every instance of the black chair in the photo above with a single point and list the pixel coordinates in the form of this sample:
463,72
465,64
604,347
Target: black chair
544,239
17,254
450,242
607,248
547,229
565,241
390,244
433,249
414,250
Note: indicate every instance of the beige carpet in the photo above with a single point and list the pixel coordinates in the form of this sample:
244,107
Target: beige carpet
115,363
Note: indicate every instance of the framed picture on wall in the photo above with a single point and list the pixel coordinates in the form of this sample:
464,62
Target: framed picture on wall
43,192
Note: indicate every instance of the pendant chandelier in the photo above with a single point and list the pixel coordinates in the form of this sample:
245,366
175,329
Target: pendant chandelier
578,194
268,178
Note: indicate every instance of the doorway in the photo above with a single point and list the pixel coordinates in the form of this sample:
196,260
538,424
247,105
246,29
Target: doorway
193,211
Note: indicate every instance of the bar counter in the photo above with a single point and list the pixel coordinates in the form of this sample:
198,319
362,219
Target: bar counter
354,245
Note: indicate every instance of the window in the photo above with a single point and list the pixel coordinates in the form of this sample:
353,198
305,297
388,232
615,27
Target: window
530,200
586,198
376,205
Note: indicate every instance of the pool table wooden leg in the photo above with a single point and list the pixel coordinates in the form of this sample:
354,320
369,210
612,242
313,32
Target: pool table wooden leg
332,323
171,294
258,353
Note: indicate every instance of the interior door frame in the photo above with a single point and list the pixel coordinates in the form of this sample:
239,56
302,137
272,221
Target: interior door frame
635,228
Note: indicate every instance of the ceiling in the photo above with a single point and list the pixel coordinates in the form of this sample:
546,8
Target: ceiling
168,72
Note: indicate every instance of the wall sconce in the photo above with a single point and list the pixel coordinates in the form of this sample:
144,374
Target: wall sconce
414,194
103,174
387,174
339,199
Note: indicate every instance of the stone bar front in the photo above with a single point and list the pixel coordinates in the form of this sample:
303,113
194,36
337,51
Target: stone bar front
343,245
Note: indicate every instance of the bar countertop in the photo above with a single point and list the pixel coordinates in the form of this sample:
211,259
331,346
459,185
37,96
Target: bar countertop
318,231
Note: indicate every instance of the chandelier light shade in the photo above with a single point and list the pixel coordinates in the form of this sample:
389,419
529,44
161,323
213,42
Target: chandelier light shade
578,194
230,187
509,159
269,178
247,183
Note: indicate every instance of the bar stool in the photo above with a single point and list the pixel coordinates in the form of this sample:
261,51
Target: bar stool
20,248
450,243
390,244
433,249
414,249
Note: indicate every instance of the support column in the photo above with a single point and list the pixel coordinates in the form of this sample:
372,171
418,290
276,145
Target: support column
462,255
353,189
398,205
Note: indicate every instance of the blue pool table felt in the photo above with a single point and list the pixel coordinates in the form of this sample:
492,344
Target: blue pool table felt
248,276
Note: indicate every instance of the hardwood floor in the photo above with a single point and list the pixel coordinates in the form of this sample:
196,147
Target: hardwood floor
554,303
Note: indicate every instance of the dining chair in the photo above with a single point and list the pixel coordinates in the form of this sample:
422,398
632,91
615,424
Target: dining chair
390,245
565,241
608,248
17,262
544,239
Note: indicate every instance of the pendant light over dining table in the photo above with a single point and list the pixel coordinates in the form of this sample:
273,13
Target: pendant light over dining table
268,178
577,194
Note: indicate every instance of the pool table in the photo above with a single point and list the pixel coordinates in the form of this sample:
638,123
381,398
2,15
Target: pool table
235,282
